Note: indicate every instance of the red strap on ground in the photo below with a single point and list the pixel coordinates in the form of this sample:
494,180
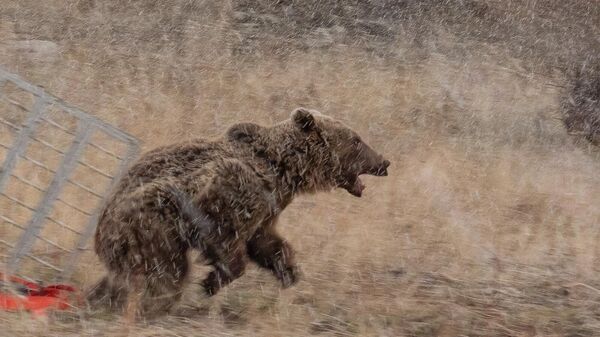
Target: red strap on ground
33,297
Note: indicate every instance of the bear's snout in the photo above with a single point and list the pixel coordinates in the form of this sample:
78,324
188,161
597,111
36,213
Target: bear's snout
382,169
379,169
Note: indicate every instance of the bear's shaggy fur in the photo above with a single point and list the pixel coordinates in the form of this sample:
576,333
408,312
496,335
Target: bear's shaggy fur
222,198
581,104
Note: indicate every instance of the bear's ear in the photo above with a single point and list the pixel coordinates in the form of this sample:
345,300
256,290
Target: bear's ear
304,118
244,132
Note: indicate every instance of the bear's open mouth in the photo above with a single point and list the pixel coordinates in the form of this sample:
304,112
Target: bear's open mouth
354,186
352,183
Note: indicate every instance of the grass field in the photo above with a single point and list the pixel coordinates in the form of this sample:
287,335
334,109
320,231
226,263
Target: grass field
488,224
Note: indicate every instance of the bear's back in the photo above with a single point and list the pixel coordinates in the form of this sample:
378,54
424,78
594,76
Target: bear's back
172,161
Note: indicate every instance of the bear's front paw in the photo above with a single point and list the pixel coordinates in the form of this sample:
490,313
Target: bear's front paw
210,288
289,276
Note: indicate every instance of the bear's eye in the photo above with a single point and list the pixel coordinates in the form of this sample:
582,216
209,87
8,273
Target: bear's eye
356,140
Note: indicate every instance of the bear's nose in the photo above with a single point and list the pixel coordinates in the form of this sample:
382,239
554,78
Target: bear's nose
382,169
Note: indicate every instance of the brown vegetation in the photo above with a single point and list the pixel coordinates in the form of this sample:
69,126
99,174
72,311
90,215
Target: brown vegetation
488,225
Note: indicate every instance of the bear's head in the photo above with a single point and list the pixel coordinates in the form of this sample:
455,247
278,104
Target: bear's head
343,152
312,152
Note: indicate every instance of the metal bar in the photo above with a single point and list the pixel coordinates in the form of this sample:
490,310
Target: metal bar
45,263
92,144
85,188
58,126
63,225
37,220
27,182
21,276
105,151
10,221
27,278
109,129
95,169
17,201
93,220
22,84
43,142
6,243
74,207
4,121
98,123
54,244
21,142
37,163
13,102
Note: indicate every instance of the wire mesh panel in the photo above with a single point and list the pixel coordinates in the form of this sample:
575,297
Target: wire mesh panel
58,165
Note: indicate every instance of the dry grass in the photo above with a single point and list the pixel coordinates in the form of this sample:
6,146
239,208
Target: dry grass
488,222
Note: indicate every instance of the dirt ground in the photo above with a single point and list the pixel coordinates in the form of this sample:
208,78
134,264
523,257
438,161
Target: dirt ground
489,222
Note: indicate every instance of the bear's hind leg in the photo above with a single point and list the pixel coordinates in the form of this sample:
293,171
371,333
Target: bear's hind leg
132,307
163,286
270,251
110,292
228,266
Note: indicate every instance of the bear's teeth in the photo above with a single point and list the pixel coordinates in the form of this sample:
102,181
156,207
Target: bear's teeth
360,184
357,187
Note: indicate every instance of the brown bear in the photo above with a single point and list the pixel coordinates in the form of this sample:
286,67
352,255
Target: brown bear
223,198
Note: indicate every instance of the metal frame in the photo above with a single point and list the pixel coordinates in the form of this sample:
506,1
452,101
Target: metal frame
86,126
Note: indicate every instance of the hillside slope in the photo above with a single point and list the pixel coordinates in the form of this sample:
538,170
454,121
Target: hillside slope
488,222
